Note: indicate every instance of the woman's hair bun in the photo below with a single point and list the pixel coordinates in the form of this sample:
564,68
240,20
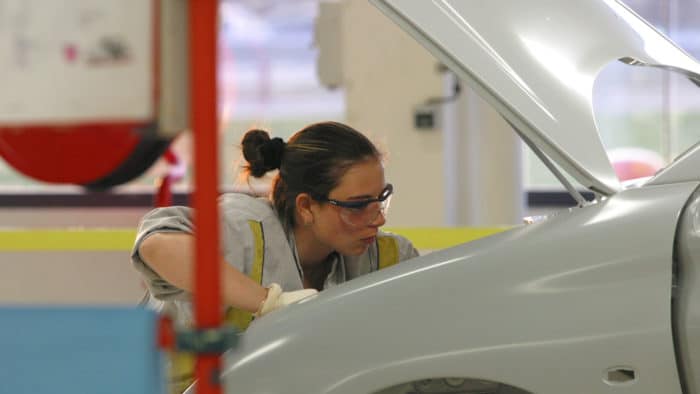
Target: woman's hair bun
262,153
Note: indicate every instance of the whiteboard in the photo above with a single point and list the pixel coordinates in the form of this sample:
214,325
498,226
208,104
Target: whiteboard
74,61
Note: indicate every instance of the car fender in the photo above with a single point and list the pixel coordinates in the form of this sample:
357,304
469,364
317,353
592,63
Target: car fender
543,307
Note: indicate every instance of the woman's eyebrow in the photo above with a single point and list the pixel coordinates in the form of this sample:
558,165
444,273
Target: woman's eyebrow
362,197
366,196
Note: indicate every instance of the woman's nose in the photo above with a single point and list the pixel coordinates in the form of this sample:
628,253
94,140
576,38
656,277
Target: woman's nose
379,220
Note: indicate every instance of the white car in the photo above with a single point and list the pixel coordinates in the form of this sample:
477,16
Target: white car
599,298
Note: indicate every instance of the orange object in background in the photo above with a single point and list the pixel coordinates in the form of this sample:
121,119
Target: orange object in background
176,171
632,163
94,155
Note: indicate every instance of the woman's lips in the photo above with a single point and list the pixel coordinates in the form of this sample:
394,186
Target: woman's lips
369,240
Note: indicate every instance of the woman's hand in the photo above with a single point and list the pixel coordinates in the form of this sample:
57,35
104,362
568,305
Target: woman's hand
276,298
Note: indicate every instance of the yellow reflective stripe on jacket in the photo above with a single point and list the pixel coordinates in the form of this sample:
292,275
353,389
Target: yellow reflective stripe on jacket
239,318
388,249
182,364
181,374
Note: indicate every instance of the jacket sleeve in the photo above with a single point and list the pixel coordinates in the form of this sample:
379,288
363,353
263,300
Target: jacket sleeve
236,249
170,219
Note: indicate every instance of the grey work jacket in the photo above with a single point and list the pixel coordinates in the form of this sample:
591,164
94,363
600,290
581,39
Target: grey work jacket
238,249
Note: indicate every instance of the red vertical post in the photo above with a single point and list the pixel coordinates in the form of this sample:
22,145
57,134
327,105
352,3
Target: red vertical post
203,103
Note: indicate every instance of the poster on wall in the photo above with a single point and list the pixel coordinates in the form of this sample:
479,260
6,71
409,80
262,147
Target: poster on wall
76,61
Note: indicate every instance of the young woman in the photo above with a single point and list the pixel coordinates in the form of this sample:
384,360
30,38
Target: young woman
320,226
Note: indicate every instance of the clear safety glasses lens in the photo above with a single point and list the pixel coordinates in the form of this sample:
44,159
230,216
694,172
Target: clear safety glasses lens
367,215
363,212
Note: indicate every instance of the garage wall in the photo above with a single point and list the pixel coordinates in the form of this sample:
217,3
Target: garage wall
465,170
63,277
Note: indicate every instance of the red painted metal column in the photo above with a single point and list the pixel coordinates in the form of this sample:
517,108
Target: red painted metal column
207,287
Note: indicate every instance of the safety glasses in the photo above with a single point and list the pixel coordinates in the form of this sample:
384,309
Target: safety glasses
363,212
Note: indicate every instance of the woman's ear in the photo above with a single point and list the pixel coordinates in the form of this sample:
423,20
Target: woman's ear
303,205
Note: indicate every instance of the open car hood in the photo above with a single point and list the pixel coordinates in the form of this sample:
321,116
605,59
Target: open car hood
536,63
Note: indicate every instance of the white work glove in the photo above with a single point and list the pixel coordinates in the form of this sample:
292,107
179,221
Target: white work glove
276,298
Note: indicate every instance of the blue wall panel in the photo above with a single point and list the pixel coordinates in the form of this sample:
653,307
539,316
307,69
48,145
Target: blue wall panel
79,350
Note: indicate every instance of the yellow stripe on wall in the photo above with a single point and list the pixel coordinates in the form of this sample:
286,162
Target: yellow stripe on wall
434,238
66,239
423,238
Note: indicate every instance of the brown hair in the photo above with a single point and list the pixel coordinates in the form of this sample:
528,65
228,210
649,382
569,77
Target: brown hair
312,161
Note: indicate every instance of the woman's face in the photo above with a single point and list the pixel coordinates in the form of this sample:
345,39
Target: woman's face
350,231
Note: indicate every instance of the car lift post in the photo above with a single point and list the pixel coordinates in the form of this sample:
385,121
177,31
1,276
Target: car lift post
203,31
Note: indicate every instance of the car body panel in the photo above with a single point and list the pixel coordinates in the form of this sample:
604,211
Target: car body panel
687,295
543,307
536,63
686,167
